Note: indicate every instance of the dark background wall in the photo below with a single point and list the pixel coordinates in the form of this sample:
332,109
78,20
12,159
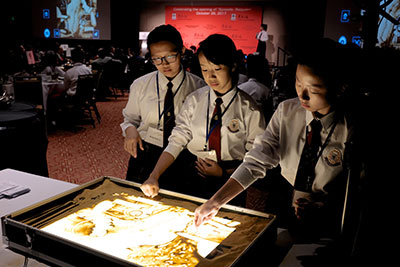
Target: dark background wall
16,23
303,18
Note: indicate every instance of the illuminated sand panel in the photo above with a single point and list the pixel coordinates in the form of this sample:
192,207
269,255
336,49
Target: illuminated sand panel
143,231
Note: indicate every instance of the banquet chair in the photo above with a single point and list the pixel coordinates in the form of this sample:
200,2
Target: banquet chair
111,79
28,89
24,139
85,98
117,78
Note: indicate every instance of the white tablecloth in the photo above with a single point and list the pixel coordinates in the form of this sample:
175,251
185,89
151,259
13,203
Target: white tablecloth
41,188
47,86
50,86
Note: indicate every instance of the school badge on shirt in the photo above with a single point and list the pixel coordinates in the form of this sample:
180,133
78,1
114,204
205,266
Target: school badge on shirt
334,157
233,125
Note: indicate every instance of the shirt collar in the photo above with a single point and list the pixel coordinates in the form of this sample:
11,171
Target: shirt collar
163,80
326,120
226,98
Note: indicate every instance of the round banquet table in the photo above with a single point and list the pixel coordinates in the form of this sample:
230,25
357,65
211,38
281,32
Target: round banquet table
48,87
23,139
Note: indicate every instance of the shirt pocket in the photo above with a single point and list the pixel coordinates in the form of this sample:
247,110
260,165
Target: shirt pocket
233,135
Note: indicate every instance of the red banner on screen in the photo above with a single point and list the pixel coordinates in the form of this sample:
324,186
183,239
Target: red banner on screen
195,23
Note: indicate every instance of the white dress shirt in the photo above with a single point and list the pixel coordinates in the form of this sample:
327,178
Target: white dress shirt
242,78
283,141
50,70
145,104
262,36
71,77
241,122
258,91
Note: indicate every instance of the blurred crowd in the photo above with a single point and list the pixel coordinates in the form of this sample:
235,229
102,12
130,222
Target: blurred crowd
120,66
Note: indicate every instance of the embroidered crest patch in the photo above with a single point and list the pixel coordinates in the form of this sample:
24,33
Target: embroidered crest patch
233,125
334,157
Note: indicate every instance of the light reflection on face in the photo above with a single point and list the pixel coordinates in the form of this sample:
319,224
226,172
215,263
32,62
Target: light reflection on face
311,91
218,77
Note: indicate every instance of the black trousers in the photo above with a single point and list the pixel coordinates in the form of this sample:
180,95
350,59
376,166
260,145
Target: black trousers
261,47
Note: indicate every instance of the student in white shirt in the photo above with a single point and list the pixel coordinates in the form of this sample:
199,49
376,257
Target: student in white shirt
144,113
321,88
262,37
241,122
258,85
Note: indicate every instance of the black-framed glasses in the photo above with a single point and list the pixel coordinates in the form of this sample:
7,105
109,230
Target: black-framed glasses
168,59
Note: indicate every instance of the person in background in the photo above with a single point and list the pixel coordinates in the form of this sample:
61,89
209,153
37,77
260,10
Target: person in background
71,75
241,61
60,55
262,37
258,85
306,136
51,69
148,117
64,95
217,124
103,58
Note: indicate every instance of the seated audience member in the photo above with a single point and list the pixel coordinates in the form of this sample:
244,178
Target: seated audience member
103,58
111,70
58,99
51,69
149,116
60,55
217,123
241,67
242,78
259,79
71,75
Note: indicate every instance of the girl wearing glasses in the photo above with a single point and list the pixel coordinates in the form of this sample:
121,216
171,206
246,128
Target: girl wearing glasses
217,123
146,110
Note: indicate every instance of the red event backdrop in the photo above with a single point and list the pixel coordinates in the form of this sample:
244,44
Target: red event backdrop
195,23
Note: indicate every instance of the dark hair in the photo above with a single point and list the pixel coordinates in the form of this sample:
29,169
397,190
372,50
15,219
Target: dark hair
77,54
258,68
50,58
327,60
221,50
264,26
165,33
102,52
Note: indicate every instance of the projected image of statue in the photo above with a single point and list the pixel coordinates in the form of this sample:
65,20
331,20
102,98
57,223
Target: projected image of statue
77,18
62,16
388,32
